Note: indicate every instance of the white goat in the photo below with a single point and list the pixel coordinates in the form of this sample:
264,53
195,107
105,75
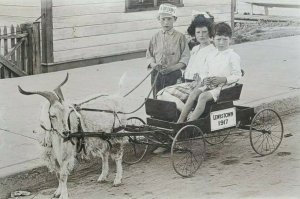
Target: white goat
60,155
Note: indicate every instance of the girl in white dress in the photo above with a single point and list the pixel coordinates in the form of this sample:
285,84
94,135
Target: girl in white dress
222,70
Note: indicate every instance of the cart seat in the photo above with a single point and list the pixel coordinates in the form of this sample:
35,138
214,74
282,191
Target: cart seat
167,111
163,110
230,94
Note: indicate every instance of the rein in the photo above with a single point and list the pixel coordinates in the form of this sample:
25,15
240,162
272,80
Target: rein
77,106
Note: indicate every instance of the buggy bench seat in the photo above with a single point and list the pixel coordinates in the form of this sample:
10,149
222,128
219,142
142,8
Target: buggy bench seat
167,111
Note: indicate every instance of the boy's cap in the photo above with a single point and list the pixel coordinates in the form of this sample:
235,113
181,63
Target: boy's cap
167,10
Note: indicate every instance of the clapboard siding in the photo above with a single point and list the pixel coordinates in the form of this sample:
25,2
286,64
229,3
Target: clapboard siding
102,27
98,51
111,18
25,3
19,11
88,9
77,32
56,3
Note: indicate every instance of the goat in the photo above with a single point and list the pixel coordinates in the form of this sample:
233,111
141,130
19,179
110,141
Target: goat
61,155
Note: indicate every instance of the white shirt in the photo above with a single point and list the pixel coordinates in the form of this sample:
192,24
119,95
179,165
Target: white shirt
224,64
197,61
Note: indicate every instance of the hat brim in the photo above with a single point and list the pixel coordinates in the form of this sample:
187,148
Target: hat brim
163,15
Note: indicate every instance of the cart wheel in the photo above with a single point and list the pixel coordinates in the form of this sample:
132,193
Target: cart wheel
217,137
135,150
266,132
188,150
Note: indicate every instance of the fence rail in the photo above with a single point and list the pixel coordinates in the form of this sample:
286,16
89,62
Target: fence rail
20,52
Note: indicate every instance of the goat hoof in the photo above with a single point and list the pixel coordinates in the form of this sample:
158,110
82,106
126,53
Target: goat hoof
64,196
56,195
117,184
103,180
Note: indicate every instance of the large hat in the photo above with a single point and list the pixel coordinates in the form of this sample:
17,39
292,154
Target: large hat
167,10
206,15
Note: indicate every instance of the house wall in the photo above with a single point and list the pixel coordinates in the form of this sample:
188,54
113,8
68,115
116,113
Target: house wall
14,12
98,28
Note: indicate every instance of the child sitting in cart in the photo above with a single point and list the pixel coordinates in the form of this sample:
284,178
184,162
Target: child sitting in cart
223,70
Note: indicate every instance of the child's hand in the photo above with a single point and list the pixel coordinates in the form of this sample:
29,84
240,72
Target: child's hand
218,80
165,71
196,77
206,81
157,67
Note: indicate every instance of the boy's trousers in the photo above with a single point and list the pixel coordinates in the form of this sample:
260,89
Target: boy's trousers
164,80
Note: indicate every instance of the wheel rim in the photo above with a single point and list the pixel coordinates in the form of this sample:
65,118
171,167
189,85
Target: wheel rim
188,150
218,137
266,132
134,152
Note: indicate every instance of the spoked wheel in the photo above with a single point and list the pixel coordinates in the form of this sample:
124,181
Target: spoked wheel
137,147
188,150
217,137
266,132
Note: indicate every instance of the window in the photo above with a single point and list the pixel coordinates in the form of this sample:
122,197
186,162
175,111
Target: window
141,5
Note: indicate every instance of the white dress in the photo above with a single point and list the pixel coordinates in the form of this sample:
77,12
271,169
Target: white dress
197,61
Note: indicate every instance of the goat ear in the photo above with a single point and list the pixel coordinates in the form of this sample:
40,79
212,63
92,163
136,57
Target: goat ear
44,116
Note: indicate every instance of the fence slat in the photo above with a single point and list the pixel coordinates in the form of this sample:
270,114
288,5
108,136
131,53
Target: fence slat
13,43
6,71
0,42
23,49
19,63
1,65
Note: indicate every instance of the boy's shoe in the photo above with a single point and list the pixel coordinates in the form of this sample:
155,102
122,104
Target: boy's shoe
160,150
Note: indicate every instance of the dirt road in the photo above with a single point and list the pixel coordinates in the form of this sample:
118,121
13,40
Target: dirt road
231,170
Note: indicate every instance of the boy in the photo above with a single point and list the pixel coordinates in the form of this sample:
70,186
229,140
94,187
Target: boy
223,69
168,51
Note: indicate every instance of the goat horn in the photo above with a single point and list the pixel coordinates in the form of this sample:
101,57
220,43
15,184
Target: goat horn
58,91
51,97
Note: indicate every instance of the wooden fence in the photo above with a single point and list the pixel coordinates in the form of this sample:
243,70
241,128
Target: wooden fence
20,52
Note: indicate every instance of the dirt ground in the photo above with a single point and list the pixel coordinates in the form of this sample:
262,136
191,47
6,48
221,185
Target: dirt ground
231,170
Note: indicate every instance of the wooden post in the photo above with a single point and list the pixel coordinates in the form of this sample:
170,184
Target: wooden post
47,33
232,15
36,48
29,47
266,10
126,5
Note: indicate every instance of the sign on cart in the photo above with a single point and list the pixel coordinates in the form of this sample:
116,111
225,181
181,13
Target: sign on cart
223,119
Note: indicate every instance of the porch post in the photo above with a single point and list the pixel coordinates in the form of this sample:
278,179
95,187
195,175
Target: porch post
47,34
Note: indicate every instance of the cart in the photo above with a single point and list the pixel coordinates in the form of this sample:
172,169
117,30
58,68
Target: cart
187,141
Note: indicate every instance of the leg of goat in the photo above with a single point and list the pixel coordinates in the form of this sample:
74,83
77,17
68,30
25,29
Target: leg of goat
64,190
58,190
119,174
105,168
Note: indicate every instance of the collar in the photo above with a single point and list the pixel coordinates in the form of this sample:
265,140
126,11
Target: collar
225,51
170,32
